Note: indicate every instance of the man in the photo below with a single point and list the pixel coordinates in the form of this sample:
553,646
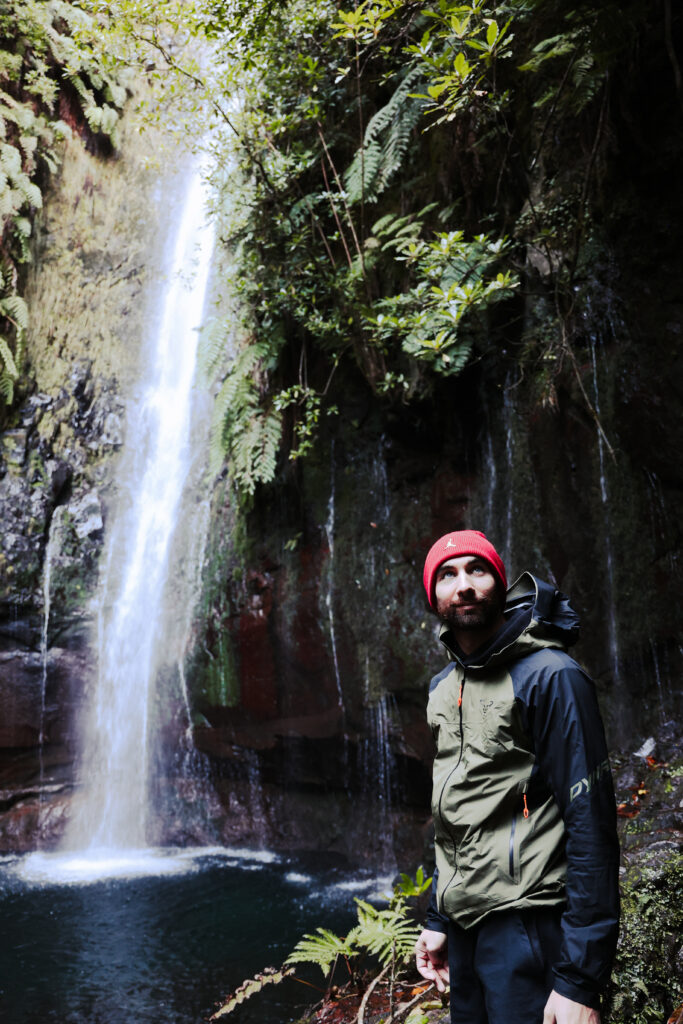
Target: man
524,912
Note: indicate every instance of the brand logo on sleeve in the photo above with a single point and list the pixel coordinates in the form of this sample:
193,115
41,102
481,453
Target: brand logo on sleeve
586,784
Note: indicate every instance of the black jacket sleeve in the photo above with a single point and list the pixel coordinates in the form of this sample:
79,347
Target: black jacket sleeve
436,921
571,752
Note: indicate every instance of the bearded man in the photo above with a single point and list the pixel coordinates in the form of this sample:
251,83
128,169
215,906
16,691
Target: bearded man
524,913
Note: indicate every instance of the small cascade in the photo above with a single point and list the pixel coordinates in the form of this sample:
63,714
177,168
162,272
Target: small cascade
508,426
47,591
199,537
662,529
378,773
662,688
491,479
329,596
493,511
612,630
112,811
50,549
256,807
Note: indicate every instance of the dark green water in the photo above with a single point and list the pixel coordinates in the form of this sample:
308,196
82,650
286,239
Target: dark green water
165,949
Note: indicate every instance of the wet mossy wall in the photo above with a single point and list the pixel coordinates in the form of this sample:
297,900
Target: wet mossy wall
573,470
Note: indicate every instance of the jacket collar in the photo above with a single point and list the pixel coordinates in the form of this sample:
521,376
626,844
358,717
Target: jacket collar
536,614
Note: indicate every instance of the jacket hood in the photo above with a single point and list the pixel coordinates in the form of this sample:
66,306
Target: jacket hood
537,615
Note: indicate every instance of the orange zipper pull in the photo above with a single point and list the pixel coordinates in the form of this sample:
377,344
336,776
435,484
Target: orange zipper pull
460,694
526,809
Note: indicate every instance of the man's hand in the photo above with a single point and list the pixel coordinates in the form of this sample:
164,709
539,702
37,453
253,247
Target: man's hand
560,1010
431,958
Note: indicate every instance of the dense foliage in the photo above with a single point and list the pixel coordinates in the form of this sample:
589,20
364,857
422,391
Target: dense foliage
50,84
397,168
387,172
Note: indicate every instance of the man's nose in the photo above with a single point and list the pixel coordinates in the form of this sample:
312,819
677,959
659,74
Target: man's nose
463,582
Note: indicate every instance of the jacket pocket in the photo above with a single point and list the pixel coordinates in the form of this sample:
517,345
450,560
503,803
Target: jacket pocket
491,727
519,816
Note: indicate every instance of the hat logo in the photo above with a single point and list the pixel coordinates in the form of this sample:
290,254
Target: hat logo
450,543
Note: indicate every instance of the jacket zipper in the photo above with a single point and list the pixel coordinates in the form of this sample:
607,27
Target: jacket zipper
443,790
513,828
512,845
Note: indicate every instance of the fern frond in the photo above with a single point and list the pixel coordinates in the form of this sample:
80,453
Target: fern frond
587,81
15,309
213,343
249,988
253,449
321,949
387,138
6,387
10,367
388,934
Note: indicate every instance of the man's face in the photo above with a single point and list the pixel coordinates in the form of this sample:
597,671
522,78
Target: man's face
467,595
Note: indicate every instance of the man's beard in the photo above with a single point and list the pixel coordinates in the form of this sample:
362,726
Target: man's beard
480,615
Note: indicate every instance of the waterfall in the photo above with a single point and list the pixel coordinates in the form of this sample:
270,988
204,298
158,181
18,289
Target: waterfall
111,813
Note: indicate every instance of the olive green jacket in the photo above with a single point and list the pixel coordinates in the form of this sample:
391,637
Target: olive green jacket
523,804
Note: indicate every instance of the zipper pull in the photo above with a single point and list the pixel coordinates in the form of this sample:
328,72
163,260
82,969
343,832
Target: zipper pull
526,809
460,694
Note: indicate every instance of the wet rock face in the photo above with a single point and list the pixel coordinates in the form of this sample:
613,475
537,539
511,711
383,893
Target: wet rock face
40,701
50,483
328,629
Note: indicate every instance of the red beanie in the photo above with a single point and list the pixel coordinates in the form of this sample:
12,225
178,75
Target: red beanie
453,545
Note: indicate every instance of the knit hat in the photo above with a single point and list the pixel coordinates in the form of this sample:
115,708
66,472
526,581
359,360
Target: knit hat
453,545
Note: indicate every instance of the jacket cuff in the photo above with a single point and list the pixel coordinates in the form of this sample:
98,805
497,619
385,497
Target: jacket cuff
576,993
436,922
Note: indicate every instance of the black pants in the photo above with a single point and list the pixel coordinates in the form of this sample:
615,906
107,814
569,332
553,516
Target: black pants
501,970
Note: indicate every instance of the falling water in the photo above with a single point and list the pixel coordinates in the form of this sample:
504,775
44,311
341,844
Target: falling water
661,696
200,535
490,476
329,602
47,591
508,421
50,549
116,760
604,497
378,769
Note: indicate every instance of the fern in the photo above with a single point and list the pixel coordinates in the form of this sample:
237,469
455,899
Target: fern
321,949
6,387
389,934
254,448
387,138
243,432
9,366
15,309
213,343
